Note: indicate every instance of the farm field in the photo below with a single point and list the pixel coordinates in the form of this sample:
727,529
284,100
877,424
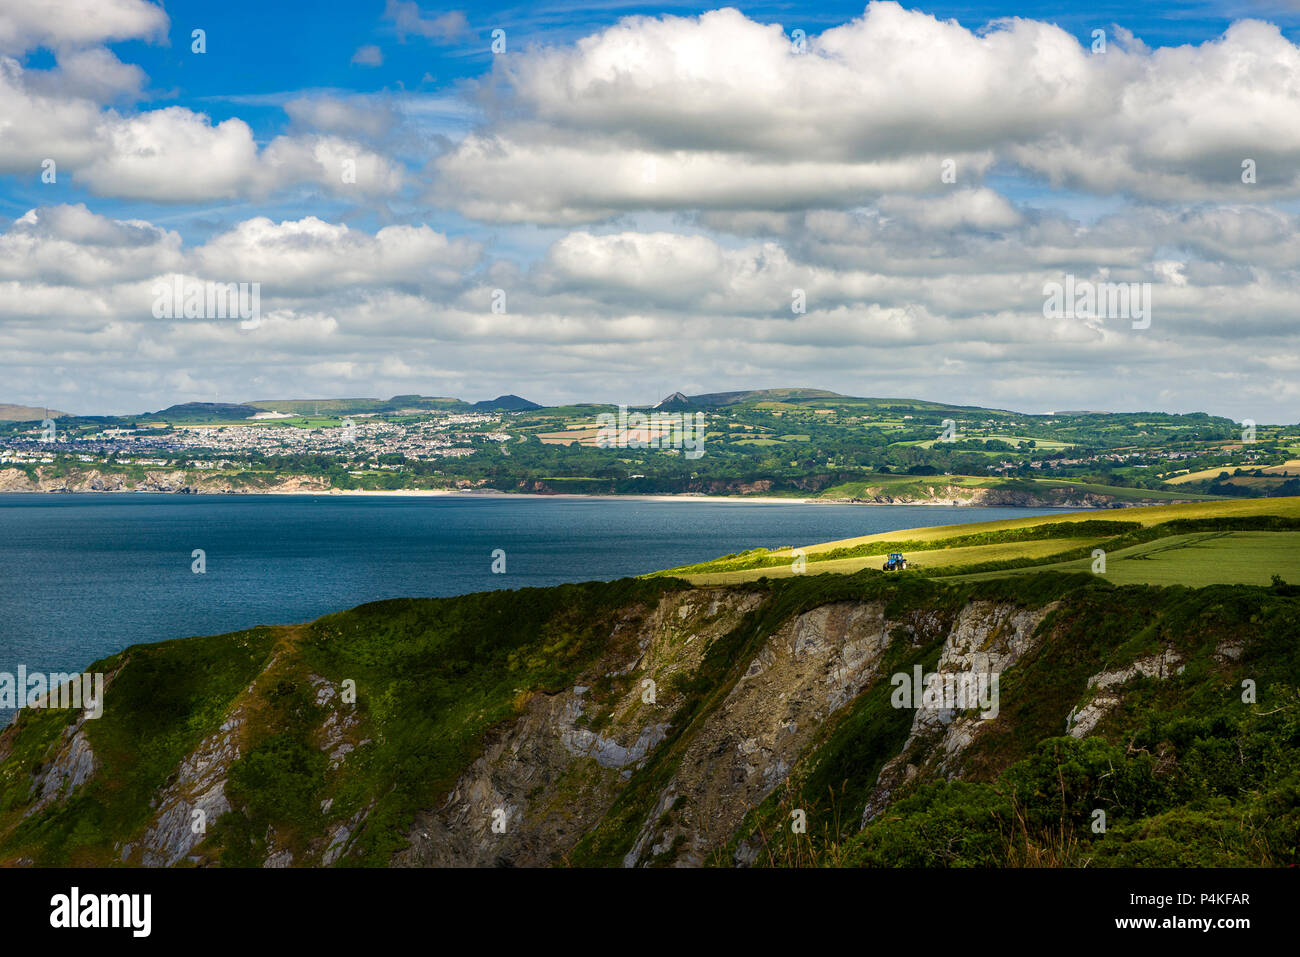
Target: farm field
795,443
1231,553
1210,558
922,560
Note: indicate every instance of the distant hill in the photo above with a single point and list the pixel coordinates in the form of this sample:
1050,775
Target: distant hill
26,413
824,397
425,402
675,403
346,406
506,403
717,399
202,412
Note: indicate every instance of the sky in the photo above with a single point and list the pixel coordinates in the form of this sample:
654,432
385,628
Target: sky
615,201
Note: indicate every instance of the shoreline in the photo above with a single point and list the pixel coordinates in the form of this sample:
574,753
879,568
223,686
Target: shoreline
498,496
663,497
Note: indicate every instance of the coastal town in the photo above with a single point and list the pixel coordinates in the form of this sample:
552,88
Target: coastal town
804,443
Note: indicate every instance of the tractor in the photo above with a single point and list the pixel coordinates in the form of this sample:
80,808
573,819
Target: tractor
896,562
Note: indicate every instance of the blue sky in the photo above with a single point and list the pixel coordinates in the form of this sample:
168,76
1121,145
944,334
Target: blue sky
262,55
632,184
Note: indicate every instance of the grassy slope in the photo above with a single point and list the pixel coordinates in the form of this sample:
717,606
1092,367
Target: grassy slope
1254,559
167,699
1186,771
947,557
432,677
1205,558
918,486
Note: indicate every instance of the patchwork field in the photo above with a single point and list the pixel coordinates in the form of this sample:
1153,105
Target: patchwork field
1287,469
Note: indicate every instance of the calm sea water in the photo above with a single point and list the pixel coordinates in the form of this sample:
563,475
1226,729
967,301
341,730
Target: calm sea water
82,576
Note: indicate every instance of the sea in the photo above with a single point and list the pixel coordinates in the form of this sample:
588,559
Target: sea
85,575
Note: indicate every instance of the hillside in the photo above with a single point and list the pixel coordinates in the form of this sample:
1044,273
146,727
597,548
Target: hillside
652,723
201,412
27,413
1234,542
505,403
801,444
354,406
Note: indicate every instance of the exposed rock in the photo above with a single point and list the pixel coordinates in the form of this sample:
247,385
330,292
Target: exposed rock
200,785
814,665
549,777
1082,720
986,638
73,765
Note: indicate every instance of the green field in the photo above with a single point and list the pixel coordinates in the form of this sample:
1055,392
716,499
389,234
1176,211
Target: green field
918,486
1236,542
1207,558
946,558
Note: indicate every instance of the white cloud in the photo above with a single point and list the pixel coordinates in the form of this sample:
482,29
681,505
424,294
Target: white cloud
730,116
172,154
918,311
738,170
407,21
368,55
309,256
60,24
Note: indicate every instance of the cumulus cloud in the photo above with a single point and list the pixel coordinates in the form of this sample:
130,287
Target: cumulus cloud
704,174
719,112
310,255
77,23
1184,121
172,154
95,74
894,305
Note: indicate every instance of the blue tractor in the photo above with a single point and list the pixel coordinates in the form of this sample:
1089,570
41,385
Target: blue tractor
896,562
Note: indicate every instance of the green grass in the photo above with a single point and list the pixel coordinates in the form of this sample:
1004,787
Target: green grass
945,558
1187,771
163,700
1043,445
899,485
1014,545
1232,558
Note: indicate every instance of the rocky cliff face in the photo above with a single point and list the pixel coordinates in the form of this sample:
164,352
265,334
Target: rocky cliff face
947,494
154,480
177,480
703,717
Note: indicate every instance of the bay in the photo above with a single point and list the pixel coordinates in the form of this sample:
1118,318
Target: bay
85,575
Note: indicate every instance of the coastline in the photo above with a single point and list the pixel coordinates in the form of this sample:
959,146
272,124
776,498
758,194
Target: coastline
684,497
947,496
579,496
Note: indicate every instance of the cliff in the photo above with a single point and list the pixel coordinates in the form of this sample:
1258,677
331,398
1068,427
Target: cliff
649,723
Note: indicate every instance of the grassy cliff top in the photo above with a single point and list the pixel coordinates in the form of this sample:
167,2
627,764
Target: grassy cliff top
1223,542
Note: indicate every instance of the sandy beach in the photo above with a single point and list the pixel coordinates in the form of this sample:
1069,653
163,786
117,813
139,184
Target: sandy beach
768,500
